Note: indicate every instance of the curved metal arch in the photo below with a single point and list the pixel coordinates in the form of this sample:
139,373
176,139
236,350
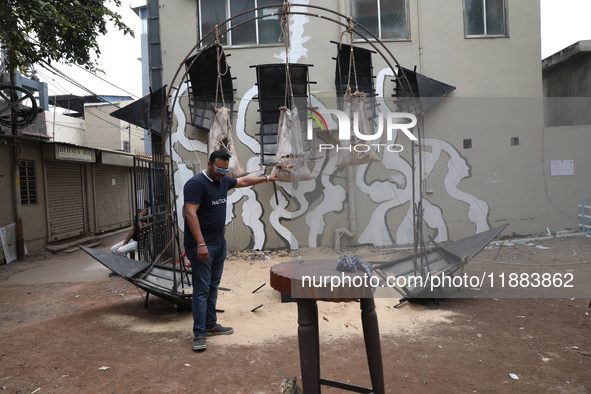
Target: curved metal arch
366,35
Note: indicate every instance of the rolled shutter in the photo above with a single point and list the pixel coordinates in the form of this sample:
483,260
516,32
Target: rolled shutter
65,199
112,199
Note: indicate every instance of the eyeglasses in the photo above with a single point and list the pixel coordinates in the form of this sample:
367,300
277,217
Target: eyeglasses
220,170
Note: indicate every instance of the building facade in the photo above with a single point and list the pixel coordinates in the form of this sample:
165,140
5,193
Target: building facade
484,157
70,183
63,176
107,132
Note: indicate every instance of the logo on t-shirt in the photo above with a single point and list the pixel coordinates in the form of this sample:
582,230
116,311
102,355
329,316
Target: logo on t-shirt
220,201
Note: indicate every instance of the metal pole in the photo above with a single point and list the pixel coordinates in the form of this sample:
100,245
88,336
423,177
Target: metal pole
20,240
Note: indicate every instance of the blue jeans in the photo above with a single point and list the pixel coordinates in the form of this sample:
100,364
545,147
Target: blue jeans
206,279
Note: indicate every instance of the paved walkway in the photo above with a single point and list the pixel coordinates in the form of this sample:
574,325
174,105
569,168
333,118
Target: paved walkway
66,263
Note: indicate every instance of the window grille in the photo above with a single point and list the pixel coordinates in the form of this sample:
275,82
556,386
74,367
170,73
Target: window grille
202,78
361,75
28,182
272,85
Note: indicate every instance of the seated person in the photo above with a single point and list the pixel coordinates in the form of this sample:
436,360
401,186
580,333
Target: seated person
130,244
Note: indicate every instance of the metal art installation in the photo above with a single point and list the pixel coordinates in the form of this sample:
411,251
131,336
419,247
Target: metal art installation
161,280
445,259
145,112
210,84
428,91
283,89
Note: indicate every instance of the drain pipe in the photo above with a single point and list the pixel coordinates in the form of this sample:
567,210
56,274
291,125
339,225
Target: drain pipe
351,228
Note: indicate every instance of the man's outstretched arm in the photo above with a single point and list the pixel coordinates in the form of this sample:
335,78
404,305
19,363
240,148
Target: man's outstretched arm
245,181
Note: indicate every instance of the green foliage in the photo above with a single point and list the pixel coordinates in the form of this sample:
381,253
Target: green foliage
32,31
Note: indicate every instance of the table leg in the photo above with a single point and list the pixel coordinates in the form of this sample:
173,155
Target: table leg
317,343
373,349
309,347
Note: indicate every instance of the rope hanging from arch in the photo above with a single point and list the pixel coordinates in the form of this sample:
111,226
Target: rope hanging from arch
220,132
290,155
354,107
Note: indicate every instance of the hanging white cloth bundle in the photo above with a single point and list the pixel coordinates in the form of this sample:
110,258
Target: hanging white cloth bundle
220,138
352,152
289,158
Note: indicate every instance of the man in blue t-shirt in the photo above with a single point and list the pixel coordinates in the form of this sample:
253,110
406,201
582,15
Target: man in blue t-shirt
205,218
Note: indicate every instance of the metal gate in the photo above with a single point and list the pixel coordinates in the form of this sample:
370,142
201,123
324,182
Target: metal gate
112,188
157,230
65,200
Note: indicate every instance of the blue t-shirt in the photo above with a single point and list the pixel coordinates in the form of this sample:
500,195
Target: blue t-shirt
211,197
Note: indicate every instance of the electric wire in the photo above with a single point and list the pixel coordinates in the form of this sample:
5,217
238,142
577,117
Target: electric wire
114,142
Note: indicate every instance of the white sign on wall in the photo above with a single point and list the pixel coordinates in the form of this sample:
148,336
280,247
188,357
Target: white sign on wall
562,167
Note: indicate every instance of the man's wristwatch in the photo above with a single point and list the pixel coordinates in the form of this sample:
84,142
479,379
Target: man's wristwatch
267,178
201,245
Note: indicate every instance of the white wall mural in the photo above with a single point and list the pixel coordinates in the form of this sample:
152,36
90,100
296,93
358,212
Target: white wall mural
390,195
297,39
252,208
394,192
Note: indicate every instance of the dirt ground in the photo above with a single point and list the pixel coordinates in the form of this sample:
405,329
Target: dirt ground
66,327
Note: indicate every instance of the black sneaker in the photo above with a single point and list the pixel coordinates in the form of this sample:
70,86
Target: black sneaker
199,344
219,330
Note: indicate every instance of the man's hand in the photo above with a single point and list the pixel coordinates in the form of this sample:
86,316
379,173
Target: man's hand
245,181
203,253
273,176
